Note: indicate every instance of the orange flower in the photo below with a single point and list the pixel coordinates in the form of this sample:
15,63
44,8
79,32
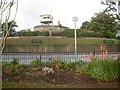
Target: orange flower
95,55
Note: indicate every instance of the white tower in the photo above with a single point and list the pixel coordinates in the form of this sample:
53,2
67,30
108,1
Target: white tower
47,19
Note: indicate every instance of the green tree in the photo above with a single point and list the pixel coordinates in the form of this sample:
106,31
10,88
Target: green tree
11,27
105,24
85,25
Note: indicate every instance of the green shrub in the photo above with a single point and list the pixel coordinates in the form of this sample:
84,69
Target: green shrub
13,69
69,65
89,33
118,58
69,73
16,70
35,63
14,61
79,69
4,64
102,69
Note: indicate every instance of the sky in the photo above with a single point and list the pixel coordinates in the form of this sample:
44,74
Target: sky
29,11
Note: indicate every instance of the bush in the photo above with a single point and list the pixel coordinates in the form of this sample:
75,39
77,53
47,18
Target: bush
89,33
35,63
102,69
68,33
14,61
4,64
17,70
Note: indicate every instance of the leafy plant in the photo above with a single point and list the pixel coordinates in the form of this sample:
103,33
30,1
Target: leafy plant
17,70
70,65
35,63
118,59
69,73
4,64
102,69
14,61
55,63
79,69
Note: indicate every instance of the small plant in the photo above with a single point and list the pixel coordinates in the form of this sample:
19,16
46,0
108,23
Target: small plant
14,61
69,73
35,63
47,70
69,65
79,69
13,69
17,70
55,63
4,64
118,58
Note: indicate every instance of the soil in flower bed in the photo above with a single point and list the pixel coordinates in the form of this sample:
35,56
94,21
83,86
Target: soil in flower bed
60,76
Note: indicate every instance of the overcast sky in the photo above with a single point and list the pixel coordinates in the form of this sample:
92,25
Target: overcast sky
29,11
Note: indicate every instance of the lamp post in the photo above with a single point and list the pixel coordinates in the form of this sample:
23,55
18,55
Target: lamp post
75,19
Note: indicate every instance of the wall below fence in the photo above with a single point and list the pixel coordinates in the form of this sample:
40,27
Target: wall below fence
60,48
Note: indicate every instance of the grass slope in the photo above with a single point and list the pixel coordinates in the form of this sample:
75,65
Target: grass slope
54,41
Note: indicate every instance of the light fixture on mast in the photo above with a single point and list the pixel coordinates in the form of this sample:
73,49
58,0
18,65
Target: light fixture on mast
75,19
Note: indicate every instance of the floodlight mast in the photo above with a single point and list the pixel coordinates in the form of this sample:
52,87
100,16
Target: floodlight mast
75,19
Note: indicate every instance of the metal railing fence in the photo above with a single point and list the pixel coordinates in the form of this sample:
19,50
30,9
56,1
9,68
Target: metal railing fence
28,57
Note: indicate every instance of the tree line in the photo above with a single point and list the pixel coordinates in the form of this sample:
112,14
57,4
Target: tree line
102,24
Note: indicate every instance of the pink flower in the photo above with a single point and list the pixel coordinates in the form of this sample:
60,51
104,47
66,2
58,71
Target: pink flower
106,51
115,57
90,53
110,55
119,53
83,53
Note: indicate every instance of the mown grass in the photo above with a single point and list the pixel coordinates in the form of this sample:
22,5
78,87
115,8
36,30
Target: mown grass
7,84
55,41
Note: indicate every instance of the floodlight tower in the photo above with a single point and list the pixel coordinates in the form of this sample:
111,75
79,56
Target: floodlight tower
46,19
75,19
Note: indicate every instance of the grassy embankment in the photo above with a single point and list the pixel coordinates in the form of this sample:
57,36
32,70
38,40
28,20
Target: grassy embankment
55,41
